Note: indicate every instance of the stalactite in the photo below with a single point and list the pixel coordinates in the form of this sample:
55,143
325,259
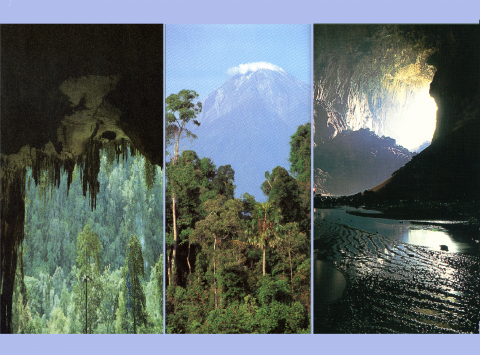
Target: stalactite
149,174
123,144
69,167
91,168
46,168
110,152
13,219
133,150
121,149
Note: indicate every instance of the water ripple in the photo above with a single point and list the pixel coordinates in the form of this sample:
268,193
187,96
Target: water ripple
395,287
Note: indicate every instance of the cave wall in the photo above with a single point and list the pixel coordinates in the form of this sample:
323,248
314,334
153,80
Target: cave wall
364,74
456,84
448,55
68,90
12,219
449,169
335,52
37,59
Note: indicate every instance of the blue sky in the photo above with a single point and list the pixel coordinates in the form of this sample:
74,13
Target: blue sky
198,56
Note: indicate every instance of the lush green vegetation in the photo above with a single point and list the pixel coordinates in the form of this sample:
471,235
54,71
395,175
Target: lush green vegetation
97,270
235,265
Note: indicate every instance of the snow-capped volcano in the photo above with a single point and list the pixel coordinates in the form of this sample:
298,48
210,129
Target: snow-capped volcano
273,89
244,68
247,122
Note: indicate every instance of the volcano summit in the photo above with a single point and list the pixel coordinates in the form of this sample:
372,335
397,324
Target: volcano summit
247,123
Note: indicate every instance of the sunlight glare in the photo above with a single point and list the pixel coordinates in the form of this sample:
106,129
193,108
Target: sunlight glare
417,121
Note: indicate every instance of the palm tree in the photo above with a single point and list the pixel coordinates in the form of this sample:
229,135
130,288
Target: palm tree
264,231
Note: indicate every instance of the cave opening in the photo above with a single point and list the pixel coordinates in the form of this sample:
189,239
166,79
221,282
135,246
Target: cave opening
419,112
373,109
67,91
400,105
127,202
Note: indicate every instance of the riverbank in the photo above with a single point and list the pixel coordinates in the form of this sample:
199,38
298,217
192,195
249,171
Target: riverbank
467,211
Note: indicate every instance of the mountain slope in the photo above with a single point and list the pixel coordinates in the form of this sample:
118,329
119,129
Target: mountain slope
247,123
354,161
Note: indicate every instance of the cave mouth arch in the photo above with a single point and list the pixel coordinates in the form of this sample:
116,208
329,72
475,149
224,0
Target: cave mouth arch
376,77
116,69
373,103
128,202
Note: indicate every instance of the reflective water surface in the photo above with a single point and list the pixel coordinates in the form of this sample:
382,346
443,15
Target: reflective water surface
375,275
328,285
435,235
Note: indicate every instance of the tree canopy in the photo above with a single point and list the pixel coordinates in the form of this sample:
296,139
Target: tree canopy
242,266
71,275
180,110
300,154
134,272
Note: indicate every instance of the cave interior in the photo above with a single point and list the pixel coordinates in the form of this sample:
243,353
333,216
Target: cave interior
362,71
68,91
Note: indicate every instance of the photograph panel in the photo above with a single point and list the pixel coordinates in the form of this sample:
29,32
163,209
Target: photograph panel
82,179
238,170
396,179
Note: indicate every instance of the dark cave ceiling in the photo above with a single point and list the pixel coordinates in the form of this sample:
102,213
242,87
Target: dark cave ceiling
37,61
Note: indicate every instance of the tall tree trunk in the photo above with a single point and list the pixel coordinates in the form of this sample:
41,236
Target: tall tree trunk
264,249
188,260
214,270
175,236
169,266
291,271
175,242
86,306
134,314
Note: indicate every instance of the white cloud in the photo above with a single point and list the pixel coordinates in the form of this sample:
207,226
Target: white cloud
245,68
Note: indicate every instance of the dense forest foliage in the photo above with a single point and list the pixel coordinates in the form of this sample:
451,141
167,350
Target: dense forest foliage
93,270
235,265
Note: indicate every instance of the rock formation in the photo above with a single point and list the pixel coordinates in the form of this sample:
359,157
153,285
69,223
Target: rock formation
449,169
361,70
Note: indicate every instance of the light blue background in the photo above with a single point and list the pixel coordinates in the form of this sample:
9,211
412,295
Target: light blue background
246,11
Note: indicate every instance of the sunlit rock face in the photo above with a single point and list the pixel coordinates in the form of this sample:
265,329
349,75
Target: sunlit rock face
409,67
374,77
66,91
378,77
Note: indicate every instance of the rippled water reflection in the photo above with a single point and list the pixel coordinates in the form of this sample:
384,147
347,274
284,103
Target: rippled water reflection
397,280
430,234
